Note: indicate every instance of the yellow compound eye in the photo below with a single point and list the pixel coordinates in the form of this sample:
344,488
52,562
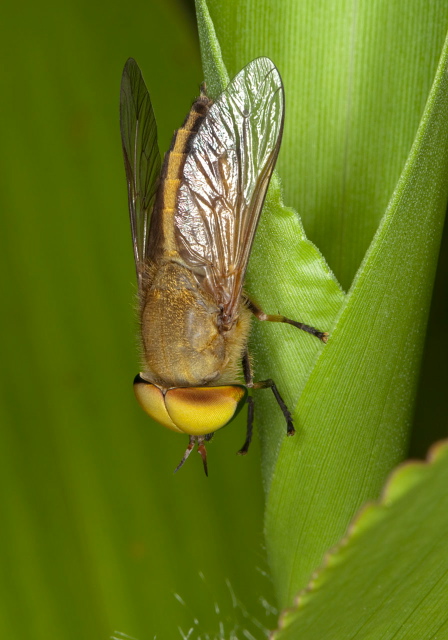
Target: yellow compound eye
151,400
201,410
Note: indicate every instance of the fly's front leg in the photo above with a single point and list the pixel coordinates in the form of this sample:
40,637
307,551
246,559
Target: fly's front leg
264,384
249,380
270,384
259,313
250,425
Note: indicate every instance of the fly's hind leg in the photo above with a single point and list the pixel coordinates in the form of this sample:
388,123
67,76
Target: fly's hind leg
262,316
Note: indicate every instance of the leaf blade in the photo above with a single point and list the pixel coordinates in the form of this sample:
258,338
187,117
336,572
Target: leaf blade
364,381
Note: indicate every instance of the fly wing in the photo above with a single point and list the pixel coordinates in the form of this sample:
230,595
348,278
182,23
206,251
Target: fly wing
225,179
141,157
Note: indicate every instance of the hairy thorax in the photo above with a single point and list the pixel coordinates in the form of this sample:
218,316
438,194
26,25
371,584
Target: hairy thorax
182,341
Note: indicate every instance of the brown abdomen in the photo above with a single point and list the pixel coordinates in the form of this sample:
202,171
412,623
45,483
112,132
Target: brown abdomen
161,237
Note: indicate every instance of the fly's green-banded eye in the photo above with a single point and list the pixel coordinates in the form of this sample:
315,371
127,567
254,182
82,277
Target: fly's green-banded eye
193,410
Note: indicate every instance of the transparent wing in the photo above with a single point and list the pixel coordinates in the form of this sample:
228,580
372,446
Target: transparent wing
225,179
141,157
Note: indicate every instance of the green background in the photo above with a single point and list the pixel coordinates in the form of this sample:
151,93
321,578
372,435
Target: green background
97,534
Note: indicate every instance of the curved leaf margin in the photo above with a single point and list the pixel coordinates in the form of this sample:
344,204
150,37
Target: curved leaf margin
407,486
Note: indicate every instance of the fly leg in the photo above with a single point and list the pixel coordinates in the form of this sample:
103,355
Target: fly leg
261,315
270,384
263,384
250,424
249,380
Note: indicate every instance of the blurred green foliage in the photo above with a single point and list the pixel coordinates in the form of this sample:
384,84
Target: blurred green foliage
97,534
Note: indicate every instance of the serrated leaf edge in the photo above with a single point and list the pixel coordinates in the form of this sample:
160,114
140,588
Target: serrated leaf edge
375,509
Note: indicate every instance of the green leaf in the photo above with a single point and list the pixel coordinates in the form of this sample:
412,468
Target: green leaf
388,578
215,71
341,159
356,408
